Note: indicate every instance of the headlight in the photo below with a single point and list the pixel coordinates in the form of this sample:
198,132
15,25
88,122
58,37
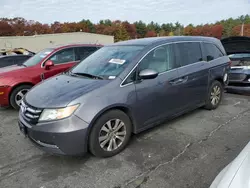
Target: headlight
56,114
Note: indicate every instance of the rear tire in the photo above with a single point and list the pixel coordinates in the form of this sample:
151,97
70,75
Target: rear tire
214,97
110,134
17,95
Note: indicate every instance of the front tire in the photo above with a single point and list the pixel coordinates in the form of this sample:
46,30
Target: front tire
17,95
215,94
110,134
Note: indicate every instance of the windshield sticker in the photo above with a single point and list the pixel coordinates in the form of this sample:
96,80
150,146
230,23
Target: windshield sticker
117,61
112,77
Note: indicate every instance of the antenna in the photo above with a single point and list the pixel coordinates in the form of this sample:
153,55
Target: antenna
96,43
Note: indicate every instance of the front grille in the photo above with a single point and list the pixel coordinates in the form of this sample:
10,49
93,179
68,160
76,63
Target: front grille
30,113
237,77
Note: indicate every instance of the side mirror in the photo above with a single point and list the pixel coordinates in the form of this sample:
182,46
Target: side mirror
148,74
48,64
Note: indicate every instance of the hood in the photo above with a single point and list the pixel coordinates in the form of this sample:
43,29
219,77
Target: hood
10,68
58,91
236,45
236,174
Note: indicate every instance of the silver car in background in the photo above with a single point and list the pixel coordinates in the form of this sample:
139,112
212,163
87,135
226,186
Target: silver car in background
236,174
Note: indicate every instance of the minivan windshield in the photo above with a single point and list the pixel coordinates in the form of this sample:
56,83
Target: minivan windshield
107,62
34,60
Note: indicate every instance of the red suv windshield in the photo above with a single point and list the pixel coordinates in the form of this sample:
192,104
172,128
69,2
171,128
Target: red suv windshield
34,60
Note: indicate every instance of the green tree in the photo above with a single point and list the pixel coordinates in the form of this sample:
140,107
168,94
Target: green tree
152,26
171,34
169,27
89,24
106,22
121,34
141,29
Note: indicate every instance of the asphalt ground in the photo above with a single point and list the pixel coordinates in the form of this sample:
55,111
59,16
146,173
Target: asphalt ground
187,152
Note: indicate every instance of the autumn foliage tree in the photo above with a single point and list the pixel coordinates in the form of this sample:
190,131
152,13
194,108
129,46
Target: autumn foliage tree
123,30
237,30
130,28
6,29
150,34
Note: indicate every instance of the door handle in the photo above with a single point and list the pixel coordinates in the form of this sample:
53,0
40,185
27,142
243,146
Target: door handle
179,80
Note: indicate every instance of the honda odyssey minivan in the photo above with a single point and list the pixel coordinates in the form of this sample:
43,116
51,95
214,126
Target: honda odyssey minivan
123,88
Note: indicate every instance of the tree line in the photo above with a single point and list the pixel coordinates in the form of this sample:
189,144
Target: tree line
124,30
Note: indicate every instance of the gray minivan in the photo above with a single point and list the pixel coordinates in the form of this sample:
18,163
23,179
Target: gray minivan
124,88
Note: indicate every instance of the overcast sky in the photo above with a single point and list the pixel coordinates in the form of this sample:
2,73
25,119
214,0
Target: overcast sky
161,11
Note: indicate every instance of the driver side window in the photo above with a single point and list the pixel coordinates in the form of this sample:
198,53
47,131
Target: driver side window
63,56
160,59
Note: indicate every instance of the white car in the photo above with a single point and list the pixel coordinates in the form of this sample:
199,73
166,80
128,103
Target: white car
236,174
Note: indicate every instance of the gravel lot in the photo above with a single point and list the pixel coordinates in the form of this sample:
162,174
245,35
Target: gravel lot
186,152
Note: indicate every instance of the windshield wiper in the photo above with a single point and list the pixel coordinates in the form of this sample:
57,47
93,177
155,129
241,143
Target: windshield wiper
87,75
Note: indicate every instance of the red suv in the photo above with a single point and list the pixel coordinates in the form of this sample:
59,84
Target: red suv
17,80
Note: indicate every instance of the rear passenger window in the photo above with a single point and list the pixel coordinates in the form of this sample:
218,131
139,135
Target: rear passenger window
188,53
211,52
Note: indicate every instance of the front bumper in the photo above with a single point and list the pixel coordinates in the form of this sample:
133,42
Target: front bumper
238,89
4,96
63,137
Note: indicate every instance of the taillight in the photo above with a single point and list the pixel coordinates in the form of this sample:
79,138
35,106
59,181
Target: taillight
230,63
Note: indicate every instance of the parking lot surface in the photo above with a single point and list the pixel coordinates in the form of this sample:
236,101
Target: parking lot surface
186,152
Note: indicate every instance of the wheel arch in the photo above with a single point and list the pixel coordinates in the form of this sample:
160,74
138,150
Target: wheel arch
121,107
19,84
219,79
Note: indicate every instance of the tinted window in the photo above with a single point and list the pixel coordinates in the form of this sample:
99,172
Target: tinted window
4,62
21,59
160,59
108,61
34,60
211,52
188,53
63,56
83,52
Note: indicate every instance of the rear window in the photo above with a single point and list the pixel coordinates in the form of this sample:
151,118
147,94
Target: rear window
211,52
21,59
188,53
8,61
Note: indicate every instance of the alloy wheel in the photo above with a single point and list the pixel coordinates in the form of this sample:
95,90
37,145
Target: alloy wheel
215,95
19,96
112,134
